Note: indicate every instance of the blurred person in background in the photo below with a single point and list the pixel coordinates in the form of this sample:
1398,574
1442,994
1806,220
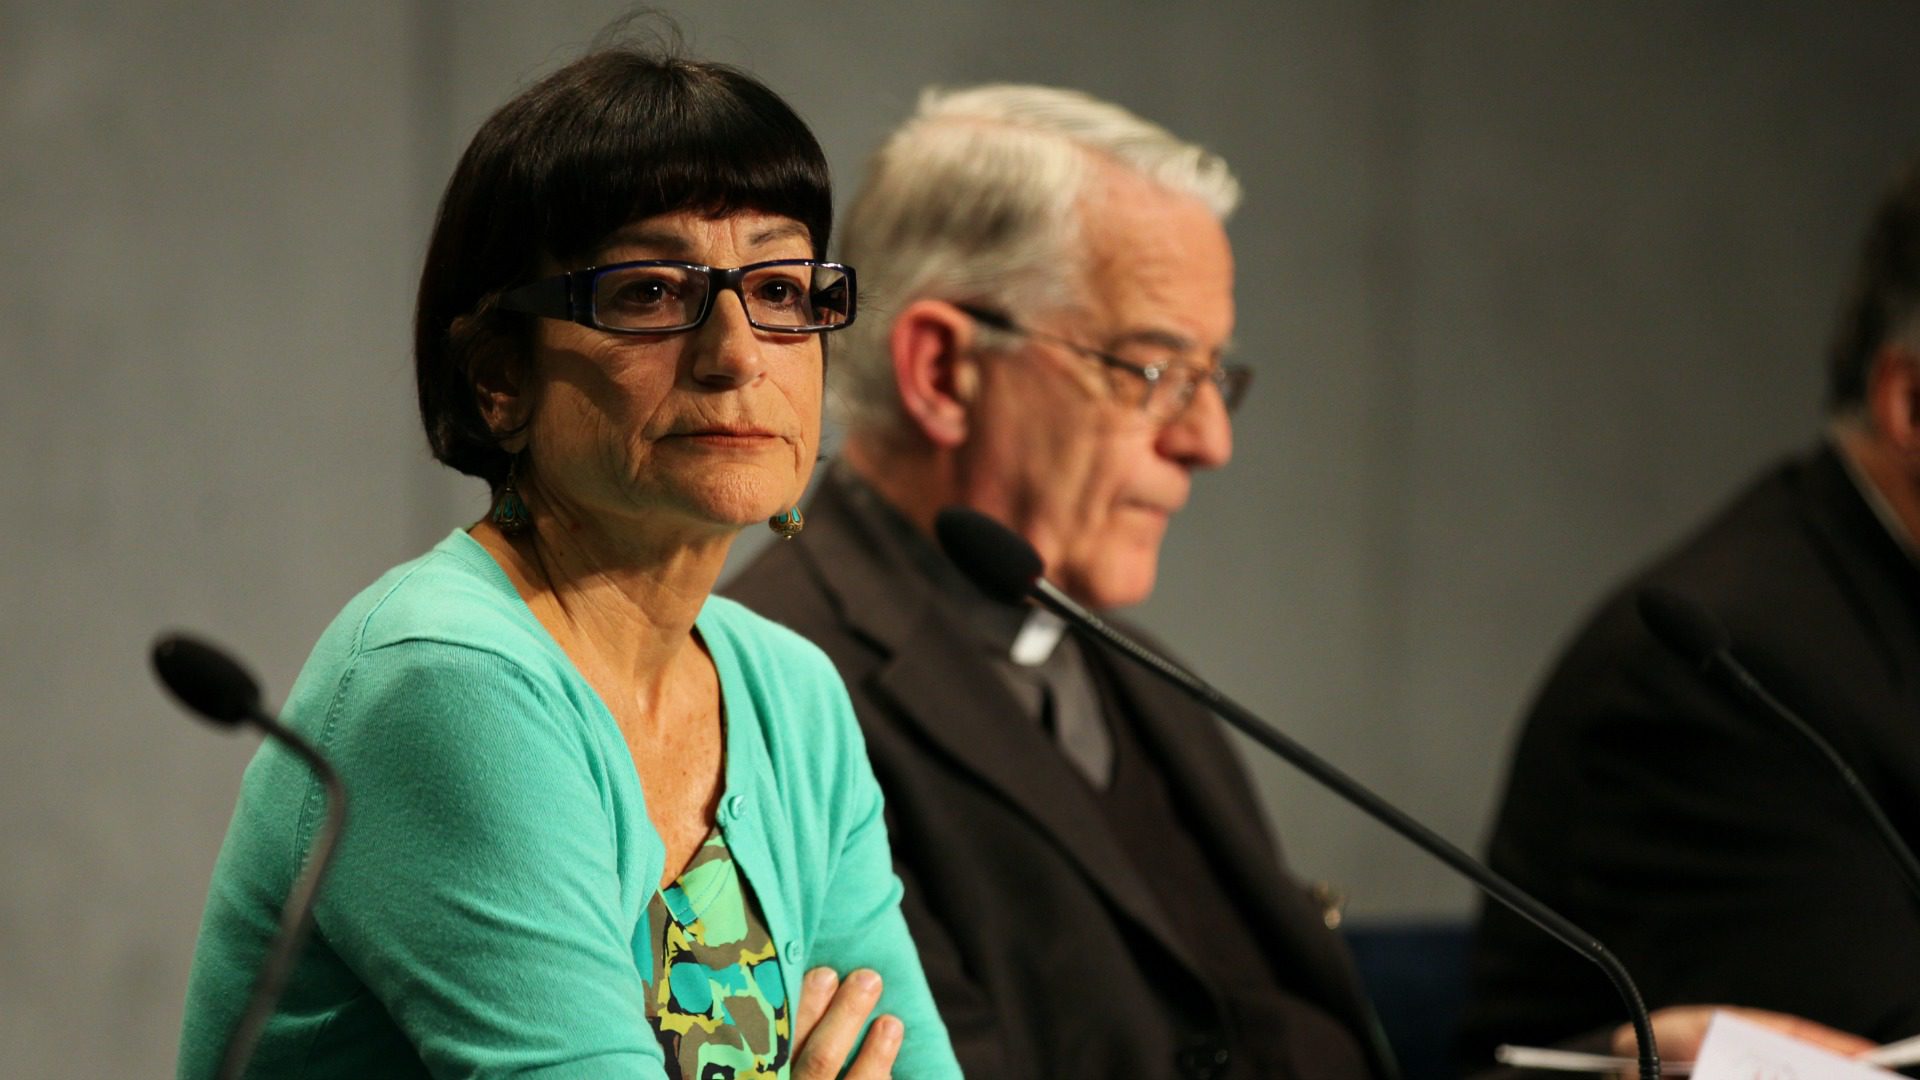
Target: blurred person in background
1088,874
1703,841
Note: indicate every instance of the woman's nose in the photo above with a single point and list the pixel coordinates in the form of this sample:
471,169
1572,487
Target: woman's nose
727,350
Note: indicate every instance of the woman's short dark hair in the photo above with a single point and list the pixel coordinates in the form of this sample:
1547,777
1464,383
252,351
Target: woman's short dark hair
1884,301
616,136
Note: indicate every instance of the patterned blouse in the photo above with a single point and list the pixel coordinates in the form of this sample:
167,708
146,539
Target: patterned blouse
717,1002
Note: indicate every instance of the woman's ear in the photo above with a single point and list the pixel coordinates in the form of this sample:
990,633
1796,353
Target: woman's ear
934,369
502,391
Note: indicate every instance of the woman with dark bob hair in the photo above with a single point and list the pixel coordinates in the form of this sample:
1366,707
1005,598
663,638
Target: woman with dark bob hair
602,823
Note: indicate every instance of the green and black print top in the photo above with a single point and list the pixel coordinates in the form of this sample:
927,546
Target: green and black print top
717,1002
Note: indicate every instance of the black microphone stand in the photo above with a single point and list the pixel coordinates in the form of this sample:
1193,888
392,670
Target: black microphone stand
213,684
296,914
1691,633
1379,809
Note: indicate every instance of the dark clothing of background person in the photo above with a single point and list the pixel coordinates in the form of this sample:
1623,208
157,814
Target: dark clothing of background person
1060,920
1707,845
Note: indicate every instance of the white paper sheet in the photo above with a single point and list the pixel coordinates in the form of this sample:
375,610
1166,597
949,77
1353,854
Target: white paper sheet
1738,1049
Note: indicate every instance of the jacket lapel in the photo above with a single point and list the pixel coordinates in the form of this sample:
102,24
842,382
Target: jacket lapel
1209,782
933,677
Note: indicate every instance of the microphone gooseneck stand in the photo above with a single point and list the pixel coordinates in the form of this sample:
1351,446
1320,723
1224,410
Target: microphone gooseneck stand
211,683
1006,566
1690,632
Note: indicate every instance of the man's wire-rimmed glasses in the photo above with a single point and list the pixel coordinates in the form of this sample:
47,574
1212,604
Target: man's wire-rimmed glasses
664,296
1169,385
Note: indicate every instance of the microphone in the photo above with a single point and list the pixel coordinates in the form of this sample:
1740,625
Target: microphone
1006,567
206,680
1694,635
210,682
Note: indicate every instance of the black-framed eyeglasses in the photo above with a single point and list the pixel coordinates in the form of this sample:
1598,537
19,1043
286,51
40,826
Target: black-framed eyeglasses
1166,387
664,296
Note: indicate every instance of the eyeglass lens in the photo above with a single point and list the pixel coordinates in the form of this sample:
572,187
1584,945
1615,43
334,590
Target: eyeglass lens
1178,387
778,296
1178,384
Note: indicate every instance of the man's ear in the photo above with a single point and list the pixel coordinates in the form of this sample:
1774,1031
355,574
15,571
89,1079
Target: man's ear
1893,398
935,370
502,391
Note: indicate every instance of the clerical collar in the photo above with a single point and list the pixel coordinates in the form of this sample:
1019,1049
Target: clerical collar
1038,637
1869,491
1025,635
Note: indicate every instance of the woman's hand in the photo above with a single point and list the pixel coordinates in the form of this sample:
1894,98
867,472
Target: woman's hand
831,1012
1680,1029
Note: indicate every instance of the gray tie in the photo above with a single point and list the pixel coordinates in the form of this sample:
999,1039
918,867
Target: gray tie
1068,704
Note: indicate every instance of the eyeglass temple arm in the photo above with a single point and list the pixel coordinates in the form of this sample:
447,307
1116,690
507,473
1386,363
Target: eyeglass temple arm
988,317
1000,321
551,297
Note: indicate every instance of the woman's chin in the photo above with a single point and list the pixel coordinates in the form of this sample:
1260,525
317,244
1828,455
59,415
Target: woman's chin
738,509
709,499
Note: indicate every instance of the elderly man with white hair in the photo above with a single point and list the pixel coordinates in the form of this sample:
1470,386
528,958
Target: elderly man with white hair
1048,294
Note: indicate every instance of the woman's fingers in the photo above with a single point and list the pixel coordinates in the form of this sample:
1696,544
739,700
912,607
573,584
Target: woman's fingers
830,1038
877,1053
816,992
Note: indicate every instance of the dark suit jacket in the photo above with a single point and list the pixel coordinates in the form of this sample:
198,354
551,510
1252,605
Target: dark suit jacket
1708,846
1041,939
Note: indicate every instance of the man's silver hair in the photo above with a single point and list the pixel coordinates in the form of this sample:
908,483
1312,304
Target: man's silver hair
977,199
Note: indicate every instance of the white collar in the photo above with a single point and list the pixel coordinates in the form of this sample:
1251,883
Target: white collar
1039,635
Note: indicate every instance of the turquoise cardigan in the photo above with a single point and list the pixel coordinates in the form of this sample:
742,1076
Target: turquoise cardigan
487,912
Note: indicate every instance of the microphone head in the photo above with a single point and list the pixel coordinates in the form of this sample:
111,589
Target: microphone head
992,556
206,679
1682,625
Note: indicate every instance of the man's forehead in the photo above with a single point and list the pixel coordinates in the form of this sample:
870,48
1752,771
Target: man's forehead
1165,339
1128,217
1156,286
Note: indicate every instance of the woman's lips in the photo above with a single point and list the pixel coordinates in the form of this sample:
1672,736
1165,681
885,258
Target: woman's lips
728,436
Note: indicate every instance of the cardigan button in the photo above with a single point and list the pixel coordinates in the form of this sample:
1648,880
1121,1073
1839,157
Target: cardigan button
793,950
733,808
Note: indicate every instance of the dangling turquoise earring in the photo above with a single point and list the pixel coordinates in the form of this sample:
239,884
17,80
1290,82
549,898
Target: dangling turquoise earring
788,525
509,513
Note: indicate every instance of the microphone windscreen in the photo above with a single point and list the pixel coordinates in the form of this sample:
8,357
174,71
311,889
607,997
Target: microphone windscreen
205,679
992,556
1682,625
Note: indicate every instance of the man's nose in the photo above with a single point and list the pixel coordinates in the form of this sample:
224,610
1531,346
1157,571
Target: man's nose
1201,436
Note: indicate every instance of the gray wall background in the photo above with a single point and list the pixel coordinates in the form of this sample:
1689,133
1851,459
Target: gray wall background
1528,285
